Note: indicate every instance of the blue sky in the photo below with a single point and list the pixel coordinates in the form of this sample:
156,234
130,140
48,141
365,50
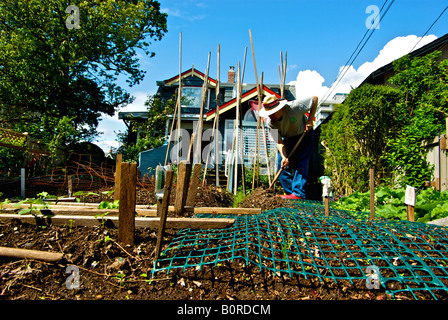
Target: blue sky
318,35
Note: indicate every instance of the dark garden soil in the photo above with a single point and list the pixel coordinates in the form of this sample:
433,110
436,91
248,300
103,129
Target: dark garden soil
111,271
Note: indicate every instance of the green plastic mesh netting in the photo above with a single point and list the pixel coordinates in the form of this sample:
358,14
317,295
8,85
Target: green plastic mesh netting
406,256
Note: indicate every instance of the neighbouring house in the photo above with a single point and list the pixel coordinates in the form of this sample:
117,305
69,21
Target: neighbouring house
192,83
326,107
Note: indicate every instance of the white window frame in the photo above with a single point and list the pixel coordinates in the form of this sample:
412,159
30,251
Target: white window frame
197,97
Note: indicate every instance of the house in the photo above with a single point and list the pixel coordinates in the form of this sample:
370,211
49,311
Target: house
192,83
381,75
326,107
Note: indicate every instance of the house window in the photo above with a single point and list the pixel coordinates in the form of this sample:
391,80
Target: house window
191,97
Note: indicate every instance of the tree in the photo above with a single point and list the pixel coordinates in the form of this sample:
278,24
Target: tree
48,71
384,127
355,138
423,82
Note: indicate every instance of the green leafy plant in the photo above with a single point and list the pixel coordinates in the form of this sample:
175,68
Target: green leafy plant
109,205
389,203
35,204
102,215
84,195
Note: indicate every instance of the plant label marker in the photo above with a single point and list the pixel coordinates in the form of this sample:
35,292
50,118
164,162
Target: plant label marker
409,200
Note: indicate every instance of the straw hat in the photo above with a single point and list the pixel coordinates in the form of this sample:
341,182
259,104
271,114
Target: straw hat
271,105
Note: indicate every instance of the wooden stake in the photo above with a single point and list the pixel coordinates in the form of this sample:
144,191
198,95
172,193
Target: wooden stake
237,131
194,184
327,206
30,254
117,176
410,213
183,181
197,155
259,106
372,193
140,222
126,211
162,210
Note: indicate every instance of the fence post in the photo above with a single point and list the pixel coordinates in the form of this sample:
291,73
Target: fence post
126,211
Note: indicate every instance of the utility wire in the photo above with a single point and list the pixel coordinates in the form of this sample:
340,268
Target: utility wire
428,29
349,63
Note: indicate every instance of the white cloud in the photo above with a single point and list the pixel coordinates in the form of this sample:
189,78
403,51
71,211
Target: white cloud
112,125
310,82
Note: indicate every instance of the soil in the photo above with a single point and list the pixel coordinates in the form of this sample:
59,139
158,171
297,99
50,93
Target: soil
111,271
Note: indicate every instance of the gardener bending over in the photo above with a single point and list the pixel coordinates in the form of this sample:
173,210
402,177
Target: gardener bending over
287,121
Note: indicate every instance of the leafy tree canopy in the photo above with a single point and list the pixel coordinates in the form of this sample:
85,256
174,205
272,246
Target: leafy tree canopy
48,71
383,127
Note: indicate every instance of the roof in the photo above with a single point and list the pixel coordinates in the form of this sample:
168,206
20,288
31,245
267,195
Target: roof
132,115
232,103
434,45
190,72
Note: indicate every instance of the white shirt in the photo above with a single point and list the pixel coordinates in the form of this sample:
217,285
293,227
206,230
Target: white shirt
293,121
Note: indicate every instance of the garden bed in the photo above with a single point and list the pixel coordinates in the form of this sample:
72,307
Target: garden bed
108,270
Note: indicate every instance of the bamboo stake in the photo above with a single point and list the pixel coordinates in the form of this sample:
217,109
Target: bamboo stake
284,74
236,132
243,169
208,153
259,106
217,120
177,108
179,97
171,133
197,155
30,254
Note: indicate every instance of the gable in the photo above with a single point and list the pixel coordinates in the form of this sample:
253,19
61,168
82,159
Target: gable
191,75
251,94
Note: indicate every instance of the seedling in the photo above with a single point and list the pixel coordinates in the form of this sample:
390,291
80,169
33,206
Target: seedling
102,215
35,205
84,195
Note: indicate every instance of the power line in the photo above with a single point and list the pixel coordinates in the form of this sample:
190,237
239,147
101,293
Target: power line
432,25
349,63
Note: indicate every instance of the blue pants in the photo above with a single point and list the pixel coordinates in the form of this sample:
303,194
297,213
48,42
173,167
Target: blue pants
293,178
